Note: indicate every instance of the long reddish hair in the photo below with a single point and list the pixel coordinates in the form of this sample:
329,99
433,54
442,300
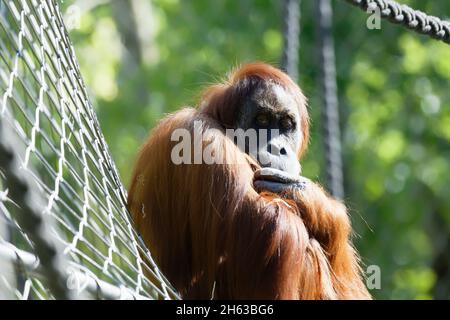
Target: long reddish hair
214,236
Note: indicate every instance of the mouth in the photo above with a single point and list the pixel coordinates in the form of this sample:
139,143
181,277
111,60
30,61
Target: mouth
273,175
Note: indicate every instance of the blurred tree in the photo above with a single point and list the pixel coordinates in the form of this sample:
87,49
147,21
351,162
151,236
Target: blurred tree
131,62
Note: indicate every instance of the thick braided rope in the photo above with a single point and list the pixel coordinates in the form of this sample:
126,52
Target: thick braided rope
410,18
291,34
330,113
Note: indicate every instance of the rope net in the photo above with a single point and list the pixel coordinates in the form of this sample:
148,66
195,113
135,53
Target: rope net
63,204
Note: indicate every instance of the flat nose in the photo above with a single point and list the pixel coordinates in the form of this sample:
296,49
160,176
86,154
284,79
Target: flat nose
276,150
279,155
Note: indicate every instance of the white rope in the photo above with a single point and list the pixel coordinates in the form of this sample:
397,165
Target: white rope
78,280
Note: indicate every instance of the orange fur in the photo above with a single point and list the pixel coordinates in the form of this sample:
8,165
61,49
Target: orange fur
214,236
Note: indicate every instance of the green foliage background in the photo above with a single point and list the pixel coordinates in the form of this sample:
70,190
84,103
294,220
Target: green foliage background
394,100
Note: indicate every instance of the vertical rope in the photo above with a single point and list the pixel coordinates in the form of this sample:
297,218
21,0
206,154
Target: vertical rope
291,33
332,134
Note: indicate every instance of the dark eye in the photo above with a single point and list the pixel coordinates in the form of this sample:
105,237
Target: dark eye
262,120
286,123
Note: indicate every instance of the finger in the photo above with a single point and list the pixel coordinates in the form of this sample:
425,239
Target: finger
275,187
278,187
